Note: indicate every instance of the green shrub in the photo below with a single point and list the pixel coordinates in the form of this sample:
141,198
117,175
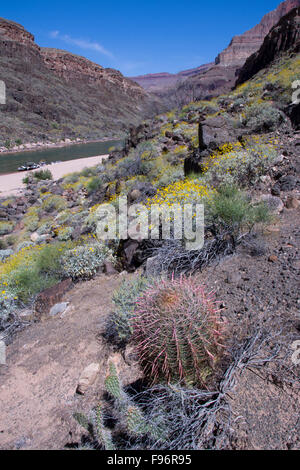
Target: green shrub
33,269
8,302
177,331
6,227
65,233
87,172
49,259
28,283
71,179
240,166
84,261
262,117
31,221
94,184
54,202
231,207
119,329
42,175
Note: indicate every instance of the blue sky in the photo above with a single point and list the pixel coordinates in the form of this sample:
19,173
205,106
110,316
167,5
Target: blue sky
138,37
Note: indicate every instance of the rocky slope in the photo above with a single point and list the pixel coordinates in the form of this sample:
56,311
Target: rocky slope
241,47
46,99
283,37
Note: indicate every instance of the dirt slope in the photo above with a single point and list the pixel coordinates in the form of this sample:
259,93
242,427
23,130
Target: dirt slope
44,363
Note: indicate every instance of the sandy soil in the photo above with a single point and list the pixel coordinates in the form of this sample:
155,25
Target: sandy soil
11,184
44,363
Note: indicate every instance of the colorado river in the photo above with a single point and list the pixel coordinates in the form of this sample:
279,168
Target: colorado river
10,162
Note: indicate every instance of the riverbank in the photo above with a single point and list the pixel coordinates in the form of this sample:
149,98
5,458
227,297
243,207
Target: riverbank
29,147
12,184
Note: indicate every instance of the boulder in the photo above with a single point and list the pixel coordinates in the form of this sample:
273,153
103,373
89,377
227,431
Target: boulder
274,203
109,268
151,266
87,377
135,194
58,309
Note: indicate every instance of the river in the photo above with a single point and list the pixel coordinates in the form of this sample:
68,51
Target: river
10,162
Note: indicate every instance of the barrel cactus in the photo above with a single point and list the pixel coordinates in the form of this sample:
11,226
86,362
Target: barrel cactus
178,331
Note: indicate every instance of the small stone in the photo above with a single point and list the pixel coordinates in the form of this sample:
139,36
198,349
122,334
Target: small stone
233,278
88,377
135,194
109,268
34,237
275,190
58,308
26,315
130,355
273,259
292,203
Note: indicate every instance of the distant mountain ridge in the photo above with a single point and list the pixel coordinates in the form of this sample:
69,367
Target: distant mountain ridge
157,81
212,79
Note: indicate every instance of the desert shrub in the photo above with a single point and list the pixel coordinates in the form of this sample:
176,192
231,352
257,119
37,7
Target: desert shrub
84,261
177,331
239,164
63,217
169,177
71,178
27,179
231,207
262,117
8,304
6,227
181,192
32,269
94,184
119,329
5,254
64,233
11,239
24,244
31,219
45,227
48,261
54,202
42,175
87,172
29,283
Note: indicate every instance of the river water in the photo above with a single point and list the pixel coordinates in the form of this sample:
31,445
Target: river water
10,162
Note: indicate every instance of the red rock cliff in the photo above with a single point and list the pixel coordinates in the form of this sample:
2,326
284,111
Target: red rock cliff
241,47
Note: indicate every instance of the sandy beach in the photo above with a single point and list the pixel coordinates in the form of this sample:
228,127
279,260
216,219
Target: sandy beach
11,184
